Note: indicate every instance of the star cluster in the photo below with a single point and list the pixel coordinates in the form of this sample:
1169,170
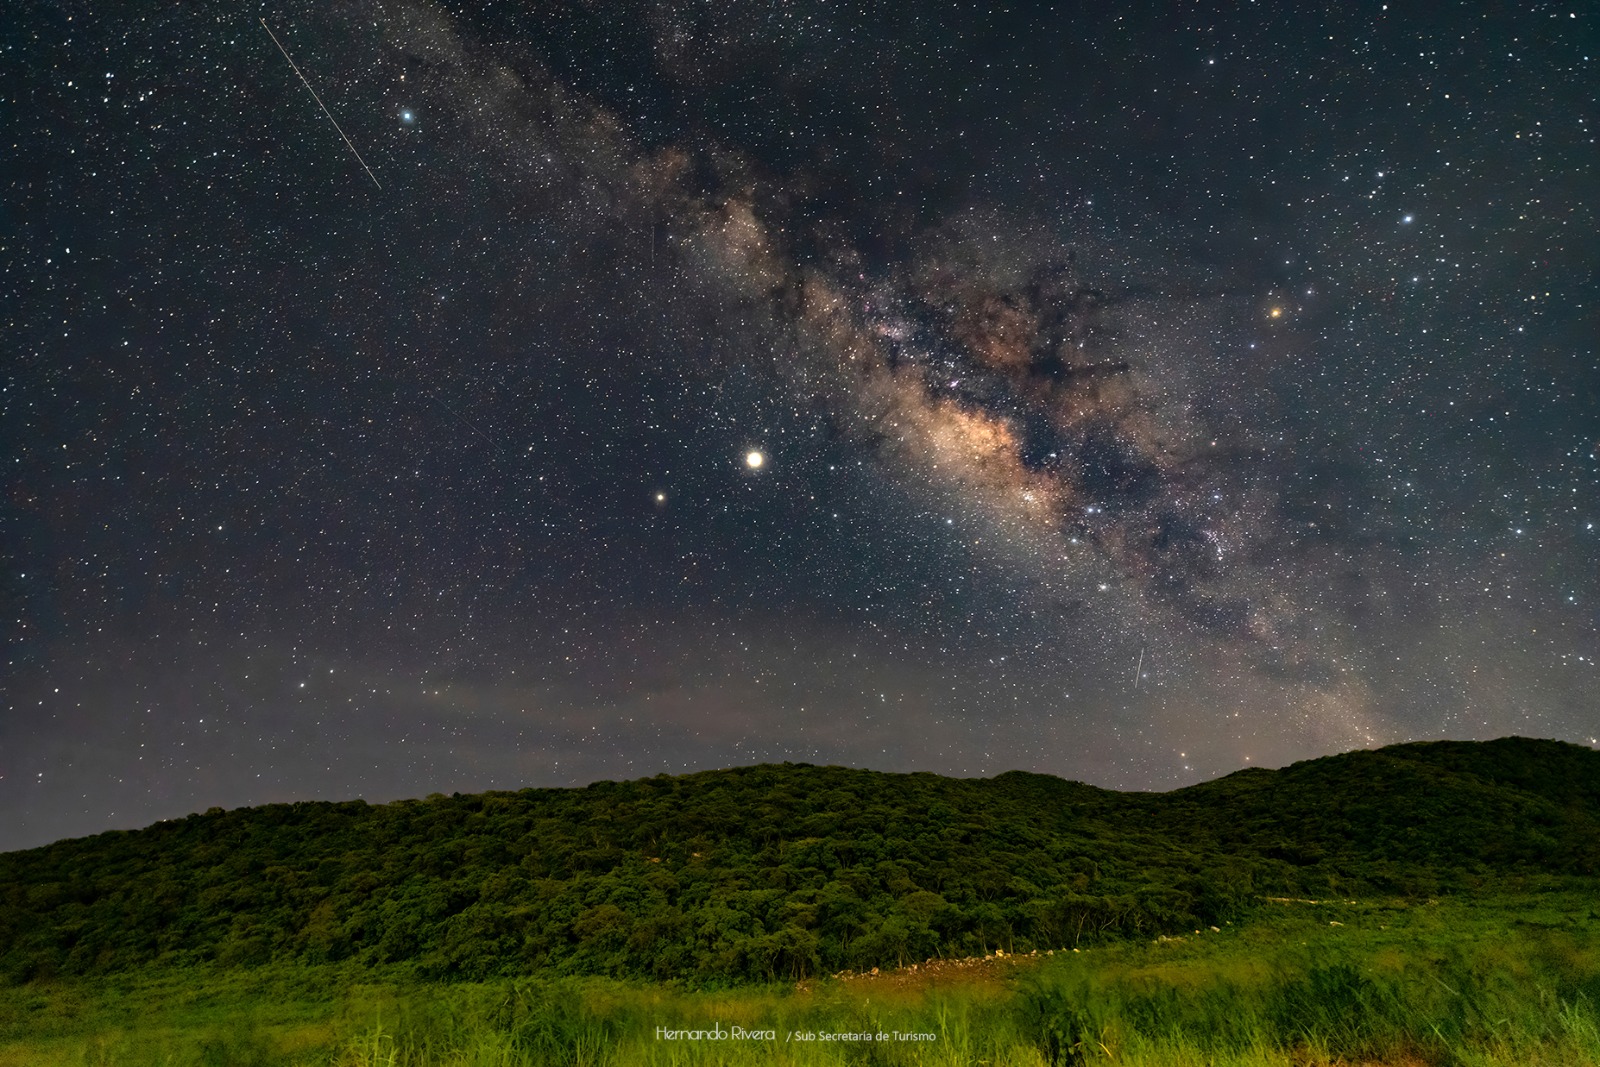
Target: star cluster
1124,396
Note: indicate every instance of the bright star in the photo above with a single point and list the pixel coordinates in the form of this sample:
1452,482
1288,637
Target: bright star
407,117
754,460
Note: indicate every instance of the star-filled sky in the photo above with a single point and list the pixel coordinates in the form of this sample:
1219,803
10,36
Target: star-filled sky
1132,393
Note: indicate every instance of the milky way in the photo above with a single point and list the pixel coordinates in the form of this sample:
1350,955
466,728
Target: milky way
1134,402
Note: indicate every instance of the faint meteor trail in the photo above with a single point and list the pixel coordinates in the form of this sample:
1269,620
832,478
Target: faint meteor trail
463,421
1138,667
320,104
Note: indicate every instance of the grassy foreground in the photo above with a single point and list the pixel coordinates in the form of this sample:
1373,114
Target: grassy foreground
1512,980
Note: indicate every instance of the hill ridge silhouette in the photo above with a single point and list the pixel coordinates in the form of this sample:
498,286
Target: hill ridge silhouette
789,870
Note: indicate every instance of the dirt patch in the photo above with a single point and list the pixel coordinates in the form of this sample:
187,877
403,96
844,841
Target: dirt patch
938,970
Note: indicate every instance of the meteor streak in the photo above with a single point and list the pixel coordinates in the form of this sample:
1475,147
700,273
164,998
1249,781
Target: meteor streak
320,104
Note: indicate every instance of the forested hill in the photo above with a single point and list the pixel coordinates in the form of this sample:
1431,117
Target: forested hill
789,870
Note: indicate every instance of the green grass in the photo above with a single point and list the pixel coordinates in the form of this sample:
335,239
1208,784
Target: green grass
1506,982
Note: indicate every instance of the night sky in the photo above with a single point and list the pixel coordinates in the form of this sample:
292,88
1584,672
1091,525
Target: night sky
1127,397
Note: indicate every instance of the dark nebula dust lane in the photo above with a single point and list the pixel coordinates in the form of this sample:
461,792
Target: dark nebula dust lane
1122,397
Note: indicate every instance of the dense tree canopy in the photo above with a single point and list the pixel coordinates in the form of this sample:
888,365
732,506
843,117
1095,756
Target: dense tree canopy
788,870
